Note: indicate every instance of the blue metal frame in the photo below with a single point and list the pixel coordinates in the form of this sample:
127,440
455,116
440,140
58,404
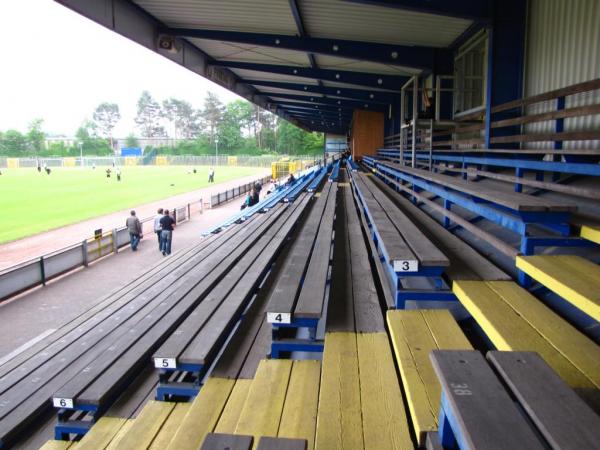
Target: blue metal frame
439,292
306,345
419,57
350,93
318,100
335,172
525,164
266,203
393,82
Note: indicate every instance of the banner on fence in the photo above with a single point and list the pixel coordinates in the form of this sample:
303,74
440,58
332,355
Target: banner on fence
12,163
69,162
232,161
161,161
131,161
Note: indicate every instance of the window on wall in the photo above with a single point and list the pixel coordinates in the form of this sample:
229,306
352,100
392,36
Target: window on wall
470,75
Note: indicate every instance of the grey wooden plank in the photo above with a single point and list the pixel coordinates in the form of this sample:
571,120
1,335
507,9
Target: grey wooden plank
384,280
246,338
115,366
485,414
30,396
222,441
286,291
427,253
271,443
394,244
193,323
367,310
340,311
513,200
259,351
312,296
562,417
99,322
465,262
432,441
205,343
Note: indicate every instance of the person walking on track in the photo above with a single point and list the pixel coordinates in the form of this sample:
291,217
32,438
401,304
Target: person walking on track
135,230
157,228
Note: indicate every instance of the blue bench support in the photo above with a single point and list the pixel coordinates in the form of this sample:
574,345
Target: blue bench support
275,197
400,281
335,173
520,222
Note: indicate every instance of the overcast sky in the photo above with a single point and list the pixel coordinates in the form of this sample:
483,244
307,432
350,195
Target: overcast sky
58,66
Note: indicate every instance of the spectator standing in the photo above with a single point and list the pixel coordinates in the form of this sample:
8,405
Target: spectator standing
118,174
167,225
157,228
135,230
211,175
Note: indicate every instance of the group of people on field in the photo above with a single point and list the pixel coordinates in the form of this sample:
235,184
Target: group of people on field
164,224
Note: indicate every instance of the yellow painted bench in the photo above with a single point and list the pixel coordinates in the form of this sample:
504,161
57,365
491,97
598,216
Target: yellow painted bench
360,403
574,278
415,333
591,233
102,433
56,445
514,320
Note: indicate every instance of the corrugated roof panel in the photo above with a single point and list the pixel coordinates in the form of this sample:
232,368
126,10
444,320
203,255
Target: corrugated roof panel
370,23
335,62
260,16
348,85
231,51
271,90
256,75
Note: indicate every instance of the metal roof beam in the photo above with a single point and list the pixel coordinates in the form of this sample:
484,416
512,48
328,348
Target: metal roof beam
394,82
401,55
350,93
329,101
476,10
302,32
310,106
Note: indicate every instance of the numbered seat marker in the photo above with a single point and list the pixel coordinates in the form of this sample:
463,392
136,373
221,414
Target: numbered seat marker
62,402
408,265
165,363
273,317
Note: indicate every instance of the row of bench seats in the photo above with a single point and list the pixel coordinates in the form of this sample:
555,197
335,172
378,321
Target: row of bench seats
86,364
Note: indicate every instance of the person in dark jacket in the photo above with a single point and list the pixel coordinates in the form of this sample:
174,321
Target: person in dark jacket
167,225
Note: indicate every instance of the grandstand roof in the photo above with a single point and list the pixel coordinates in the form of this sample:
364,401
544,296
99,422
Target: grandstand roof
309,61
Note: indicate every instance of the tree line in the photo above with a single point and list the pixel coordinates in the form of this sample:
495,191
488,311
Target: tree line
238,127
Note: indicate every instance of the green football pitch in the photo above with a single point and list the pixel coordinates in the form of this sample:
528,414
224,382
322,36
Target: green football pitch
33,202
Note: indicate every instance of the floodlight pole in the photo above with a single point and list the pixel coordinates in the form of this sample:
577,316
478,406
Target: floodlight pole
216,150
81,154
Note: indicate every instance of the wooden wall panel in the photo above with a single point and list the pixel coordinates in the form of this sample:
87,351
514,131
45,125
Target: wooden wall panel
367,133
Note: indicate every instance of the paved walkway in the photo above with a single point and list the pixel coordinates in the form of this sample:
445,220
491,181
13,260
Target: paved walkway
31,247
37,312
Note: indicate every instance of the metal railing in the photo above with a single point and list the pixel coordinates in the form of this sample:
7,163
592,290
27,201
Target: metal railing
40,270
230,194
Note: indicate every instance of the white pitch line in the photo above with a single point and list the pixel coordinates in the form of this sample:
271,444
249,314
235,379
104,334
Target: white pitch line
26,345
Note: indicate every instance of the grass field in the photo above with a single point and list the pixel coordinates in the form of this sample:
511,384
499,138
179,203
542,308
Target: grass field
33,202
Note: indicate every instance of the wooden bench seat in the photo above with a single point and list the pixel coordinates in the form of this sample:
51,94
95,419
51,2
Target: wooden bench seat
198,338
574,278
360,402
129,349
465,262
402,241
300,288
558,413
414,334
476,411
511,200
514,320
223,441
29,379
591,233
